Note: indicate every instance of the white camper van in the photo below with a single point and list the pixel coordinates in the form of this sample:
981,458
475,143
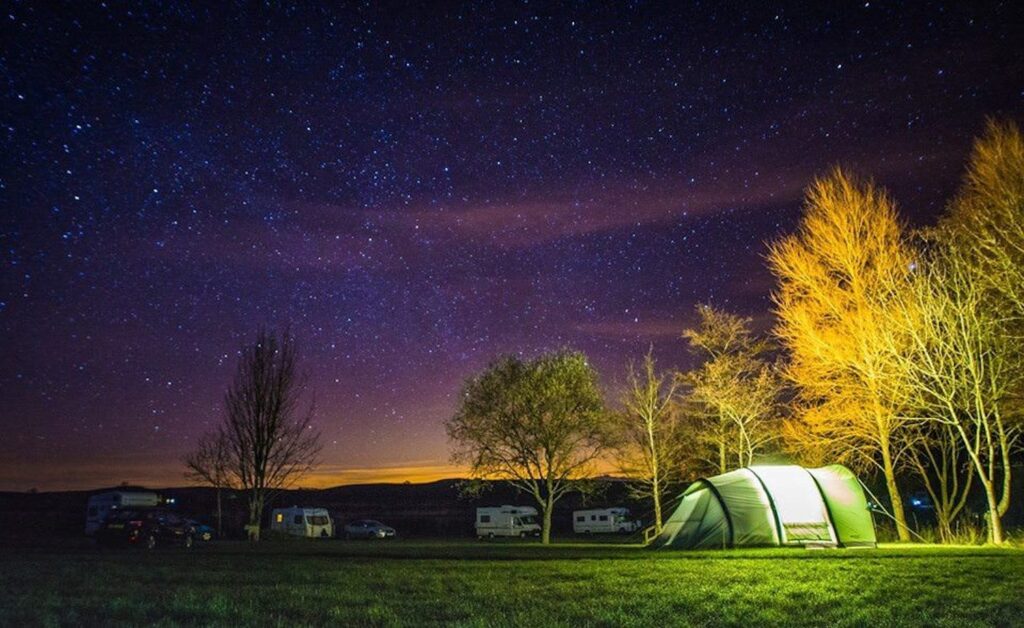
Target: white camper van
100,505
604,520
313,523
507,521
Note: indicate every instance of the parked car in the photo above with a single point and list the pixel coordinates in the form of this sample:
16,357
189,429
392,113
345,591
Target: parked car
203,532
368,529
146,528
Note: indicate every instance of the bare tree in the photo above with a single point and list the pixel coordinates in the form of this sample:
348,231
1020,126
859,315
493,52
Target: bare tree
735,389
649,446
538,424
269,436
838,276
964,368
209,463
939,460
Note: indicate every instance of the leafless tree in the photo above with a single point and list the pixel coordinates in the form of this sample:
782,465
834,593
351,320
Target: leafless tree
209,463
936,455
964,368
733,400
649,443
268,431
838,275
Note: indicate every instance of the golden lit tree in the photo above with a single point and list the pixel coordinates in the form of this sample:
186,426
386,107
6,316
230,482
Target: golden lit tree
649,447
838,275
986,219
966,369
733,393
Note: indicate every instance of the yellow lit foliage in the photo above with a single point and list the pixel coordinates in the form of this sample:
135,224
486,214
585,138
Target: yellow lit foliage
986,220
837,276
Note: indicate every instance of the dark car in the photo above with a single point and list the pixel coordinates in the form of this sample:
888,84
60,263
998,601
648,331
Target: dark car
368,529
203,532
146,528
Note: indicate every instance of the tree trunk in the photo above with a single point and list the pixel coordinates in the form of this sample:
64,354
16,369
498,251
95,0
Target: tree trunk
995,523
1007,464
721,455
255,515
220,528
656,494
545,532
945,525
902,531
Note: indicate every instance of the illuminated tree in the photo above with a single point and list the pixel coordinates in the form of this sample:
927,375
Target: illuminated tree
538,424
649,446
838,276
966,368
986,219
209,463
269,436
734,392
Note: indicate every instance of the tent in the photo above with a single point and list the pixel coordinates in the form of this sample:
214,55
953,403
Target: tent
771,505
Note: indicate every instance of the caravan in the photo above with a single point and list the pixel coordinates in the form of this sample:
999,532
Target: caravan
518,521
100,505
313,523
604,520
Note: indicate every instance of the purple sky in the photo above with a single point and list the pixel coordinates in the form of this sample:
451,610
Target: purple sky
416,191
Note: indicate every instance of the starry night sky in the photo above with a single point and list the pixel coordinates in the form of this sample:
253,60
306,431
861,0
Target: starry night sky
415,191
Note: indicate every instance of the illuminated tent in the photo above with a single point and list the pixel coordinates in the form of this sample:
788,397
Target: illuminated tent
771,505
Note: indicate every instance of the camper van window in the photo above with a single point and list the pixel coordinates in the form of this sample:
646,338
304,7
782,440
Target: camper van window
593,517
298,519
317,520
280,517
604,517
485,518
581,518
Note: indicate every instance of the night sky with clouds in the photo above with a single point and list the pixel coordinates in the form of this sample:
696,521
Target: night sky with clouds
416,190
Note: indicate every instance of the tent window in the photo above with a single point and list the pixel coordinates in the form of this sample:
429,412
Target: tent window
279,518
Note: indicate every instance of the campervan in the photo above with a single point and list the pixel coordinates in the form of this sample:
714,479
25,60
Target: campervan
100,505
313,523
518,521
603,520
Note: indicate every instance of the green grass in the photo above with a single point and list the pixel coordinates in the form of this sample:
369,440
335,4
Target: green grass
422,583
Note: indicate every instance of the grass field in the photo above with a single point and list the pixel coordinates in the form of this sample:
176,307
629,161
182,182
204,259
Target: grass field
418,583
